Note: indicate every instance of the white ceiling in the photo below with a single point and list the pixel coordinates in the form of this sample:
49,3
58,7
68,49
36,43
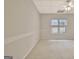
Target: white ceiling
50,6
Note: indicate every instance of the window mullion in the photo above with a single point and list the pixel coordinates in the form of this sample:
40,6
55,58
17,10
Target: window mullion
58,26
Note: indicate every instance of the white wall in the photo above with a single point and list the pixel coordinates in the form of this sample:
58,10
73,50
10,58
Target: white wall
46,28
22,26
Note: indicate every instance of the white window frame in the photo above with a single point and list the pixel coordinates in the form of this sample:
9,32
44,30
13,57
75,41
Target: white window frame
59,27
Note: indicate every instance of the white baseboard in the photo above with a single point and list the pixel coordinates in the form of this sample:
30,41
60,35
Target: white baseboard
27,53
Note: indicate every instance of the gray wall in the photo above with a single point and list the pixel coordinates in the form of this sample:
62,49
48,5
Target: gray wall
22,26
46,28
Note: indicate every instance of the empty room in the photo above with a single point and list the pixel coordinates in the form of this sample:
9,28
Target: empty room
39,29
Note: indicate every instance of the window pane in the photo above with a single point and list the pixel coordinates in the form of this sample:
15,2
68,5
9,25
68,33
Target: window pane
54,22
62,29
62,22
54,30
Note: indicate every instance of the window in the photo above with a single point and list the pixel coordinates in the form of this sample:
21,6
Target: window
62,29
54,30
54,22
58,25
62,22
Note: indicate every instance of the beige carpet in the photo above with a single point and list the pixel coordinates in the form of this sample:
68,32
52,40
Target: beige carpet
53,49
